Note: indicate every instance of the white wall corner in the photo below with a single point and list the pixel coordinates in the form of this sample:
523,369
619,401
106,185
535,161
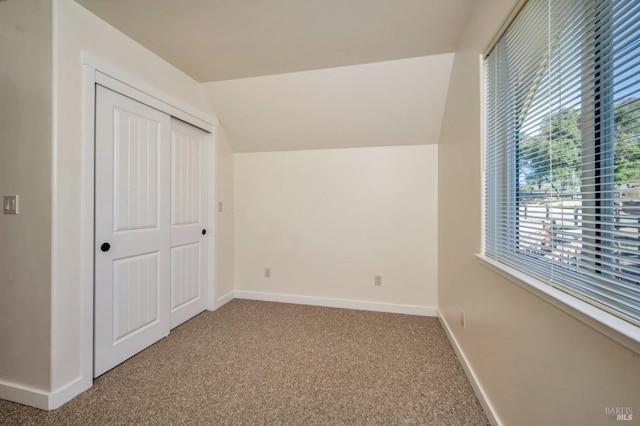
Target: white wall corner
224,299
69,391
485,402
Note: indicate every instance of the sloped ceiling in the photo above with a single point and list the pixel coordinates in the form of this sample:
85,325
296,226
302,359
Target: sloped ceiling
229,39
388,103
308,74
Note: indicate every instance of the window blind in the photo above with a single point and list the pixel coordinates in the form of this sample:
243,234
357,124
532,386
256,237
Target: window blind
562,149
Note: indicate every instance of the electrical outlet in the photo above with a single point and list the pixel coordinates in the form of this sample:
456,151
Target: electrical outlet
10,204
377,280
463,320
219,206
267,272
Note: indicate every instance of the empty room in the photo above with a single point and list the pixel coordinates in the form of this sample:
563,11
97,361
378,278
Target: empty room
320,212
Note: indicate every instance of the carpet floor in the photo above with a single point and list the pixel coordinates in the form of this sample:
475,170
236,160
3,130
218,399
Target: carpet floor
262,363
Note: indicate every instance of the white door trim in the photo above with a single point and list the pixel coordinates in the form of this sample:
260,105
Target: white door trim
148,94
96,70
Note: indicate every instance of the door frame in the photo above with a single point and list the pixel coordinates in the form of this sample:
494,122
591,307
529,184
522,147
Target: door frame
97,71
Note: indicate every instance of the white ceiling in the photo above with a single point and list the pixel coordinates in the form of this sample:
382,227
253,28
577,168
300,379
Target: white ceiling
229,39
387,103
311,74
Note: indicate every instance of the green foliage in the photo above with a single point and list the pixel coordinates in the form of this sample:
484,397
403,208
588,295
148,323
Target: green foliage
553,155
551,158
627,142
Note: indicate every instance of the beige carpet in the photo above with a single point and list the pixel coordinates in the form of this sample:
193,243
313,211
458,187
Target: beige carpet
260,363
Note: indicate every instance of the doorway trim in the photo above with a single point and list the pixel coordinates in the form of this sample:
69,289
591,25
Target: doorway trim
97,71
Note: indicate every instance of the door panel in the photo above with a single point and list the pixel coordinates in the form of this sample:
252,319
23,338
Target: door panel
136,181
188,220
185,269
132,216
186,156
135,294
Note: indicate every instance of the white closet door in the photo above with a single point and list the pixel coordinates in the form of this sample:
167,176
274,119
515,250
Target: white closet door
132,228
189,153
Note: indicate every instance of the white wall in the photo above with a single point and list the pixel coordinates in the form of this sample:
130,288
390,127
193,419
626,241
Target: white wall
327,221
537,365
225,219
77,30
25,169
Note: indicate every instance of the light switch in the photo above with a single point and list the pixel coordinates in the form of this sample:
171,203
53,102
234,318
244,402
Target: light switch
10,204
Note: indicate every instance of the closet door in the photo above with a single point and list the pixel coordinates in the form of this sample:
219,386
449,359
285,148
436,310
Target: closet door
189,159
132,228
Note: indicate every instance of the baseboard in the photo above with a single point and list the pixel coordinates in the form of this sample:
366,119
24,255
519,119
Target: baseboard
24,395
338,303
489,409
68,392
225,299
40,399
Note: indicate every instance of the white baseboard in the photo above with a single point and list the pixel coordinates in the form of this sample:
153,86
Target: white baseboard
489,409
225,299
68,392
24,395
40,399
427,311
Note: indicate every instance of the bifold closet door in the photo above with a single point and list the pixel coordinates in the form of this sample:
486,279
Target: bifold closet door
132,228
189,159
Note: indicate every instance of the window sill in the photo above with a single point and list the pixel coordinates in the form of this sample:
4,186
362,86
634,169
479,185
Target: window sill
615,328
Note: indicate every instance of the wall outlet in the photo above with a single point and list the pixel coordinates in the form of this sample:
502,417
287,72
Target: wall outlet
10,204
219,206
267,272
377,280
463,320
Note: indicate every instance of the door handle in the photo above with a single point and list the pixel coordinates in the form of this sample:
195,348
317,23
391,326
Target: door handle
204,232
105,246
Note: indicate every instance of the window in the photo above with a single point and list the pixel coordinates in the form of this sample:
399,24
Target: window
562,149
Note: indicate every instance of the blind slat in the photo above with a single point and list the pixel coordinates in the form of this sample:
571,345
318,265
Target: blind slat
562,149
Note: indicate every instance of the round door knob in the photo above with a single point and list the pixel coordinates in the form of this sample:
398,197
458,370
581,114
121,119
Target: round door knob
204,232
105,246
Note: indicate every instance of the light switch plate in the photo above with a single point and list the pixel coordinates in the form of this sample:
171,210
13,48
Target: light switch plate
10,204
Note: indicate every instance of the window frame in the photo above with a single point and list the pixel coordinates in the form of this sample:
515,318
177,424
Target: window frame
618,329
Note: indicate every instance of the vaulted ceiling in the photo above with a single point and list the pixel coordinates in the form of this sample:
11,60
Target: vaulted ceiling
229,39
308,74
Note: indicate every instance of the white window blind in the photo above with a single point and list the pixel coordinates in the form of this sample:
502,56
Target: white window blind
562,149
